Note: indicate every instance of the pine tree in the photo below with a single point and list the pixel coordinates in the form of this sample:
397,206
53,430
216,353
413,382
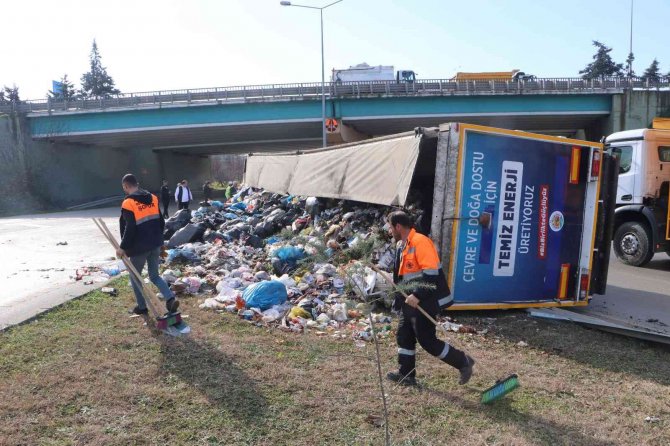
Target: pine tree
12,94
67,93
97,83
602,65
652,73
629,64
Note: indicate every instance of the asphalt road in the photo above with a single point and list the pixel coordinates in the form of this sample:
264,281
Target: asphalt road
36,272
637,297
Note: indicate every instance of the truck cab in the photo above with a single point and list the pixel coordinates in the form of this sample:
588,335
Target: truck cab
405,76
641,218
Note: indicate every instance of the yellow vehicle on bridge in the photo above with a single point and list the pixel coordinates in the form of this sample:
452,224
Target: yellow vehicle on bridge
513,75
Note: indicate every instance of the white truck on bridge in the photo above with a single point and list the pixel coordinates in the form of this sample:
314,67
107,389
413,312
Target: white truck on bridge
366,73
642,223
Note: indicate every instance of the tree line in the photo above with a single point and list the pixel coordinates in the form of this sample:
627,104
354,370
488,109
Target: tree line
604,66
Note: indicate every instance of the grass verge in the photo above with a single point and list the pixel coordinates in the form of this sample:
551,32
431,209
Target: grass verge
87,373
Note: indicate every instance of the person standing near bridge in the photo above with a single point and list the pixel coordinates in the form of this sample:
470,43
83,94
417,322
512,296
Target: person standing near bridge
207,190
141,226
417,261
165,199
183,195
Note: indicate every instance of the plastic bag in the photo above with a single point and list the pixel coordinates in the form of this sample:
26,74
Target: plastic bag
189,233
181,253
169,276
299,312
326,269
217,204
265,294
340,312
262,275
287,281
290,254
212,304
271,315
231,282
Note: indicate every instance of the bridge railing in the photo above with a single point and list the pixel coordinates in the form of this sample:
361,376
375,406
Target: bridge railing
297,91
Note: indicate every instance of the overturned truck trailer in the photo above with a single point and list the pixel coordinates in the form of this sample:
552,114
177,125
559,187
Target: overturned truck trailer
523,220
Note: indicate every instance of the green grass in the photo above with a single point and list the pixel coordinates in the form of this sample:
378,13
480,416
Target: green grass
87,373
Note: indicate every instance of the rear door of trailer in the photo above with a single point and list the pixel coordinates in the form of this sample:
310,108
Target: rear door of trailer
523,226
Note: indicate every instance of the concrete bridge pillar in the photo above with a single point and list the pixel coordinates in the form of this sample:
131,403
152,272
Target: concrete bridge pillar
636,109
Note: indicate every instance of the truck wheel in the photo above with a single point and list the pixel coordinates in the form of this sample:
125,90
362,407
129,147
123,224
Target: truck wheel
631,244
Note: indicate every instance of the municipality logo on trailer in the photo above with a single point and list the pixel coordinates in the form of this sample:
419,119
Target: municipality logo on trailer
556,221
508,218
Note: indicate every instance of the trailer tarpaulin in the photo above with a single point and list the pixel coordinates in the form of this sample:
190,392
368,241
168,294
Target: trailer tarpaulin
270,172
375,172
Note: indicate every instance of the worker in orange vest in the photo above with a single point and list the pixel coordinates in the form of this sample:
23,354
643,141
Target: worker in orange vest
417,261
142,225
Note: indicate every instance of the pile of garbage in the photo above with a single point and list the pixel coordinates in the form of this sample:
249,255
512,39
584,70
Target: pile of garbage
295,263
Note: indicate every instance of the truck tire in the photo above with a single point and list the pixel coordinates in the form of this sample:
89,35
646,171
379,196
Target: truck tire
632,244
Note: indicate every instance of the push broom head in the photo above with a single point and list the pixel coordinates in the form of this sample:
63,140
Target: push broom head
168,320
500,389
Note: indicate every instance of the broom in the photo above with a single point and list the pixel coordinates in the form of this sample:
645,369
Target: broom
493,393
162,322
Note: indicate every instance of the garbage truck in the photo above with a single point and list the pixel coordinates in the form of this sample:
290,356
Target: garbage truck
519,219
642,222
366,73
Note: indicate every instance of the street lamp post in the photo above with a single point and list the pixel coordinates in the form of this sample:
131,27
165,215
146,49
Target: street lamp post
323,73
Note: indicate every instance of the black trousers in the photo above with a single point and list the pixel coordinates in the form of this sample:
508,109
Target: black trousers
184,205
166,206
413,327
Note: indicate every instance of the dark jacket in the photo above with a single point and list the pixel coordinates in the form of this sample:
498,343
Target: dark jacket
165,194
141,223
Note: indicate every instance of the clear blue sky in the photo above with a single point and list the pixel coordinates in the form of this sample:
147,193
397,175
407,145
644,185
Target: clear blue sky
171,44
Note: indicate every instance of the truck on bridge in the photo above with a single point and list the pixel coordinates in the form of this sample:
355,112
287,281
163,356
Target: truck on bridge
642,223
514,75
366,73
519,219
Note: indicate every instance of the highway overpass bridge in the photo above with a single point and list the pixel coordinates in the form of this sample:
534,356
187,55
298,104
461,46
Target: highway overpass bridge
277,117
60,154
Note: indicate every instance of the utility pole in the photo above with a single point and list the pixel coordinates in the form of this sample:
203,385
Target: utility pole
323,73
630,48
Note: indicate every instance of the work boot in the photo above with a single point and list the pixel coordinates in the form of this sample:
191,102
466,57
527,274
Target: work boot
400,379
137,310
172,305
466,370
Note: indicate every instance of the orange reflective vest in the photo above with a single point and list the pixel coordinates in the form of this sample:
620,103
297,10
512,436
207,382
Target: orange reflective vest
419,261
142,212
418,257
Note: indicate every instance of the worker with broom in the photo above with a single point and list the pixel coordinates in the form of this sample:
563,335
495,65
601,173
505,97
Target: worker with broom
417,262
142,226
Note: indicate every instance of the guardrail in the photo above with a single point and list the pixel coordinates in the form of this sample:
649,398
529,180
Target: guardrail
287,92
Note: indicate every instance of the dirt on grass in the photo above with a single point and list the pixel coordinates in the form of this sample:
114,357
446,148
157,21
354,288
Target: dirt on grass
88,374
